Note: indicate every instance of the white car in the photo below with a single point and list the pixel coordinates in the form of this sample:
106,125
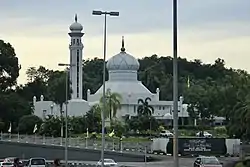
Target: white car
6,164
36,162
205,134
107,162
166,133
204,161
11,159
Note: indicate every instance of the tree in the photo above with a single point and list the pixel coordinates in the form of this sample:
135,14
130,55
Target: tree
93,118
118,127
41,73
92,75
31,89
51,126
113,103
215,90
31,74
57,88
9,70
143,123
78,124
27,123
13,107
144,108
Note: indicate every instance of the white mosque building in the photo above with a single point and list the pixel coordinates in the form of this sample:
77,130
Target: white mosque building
123,79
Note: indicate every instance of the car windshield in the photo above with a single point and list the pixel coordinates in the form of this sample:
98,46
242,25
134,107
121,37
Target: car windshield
211,161
165,131
38,162
109,161
10,159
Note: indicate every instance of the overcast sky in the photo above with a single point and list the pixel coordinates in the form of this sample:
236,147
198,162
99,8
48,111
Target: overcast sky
208,29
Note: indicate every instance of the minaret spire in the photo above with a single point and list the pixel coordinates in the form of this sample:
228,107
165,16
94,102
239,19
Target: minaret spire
123,48
75,17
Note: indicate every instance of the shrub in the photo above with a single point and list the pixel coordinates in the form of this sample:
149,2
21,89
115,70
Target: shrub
220,130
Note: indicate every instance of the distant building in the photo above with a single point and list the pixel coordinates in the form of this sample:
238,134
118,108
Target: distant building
76,106
122,69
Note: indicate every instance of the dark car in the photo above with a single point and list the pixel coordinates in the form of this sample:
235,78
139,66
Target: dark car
207,161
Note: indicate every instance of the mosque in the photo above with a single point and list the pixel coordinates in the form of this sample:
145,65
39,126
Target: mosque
122,69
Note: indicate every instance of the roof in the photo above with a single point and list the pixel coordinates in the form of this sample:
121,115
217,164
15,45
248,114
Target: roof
76,26
122,87
123,61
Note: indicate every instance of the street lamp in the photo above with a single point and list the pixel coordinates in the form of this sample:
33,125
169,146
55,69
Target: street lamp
175,85
181,110
105,13
66,111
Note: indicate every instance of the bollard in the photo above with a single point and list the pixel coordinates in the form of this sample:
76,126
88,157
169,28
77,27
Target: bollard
121,145
86,142
113,145
18,137
43,139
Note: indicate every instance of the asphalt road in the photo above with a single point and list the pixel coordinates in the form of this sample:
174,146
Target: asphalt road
168,162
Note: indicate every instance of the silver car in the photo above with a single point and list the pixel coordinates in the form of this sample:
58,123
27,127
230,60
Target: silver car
107,162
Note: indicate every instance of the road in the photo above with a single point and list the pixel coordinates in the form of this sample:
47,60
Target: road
168,162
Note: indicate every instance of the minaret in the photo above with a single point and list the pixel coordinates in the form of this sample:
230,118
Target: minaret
76,48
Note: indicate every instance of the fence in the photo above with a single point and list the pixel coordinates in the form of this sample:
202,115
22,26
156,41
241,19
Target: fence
110,144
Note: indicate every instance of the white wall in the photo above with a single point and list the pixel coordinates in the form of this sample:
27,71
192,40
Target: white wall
76,107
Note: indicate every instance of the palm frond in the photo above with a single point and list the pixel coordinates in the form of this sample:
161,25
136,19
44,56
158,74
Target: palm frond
147,99
140,101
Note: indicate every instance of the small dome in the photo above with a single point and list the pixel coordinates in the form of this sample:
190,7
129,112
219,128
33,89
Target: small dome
76,26
123,61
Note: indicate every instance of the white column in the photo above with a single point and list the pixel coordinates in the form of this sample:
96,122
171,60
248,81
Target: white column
88,94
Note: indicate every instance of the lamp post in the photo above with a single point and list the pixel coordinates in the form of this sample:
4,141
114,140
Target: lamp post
105,13
175,85
181,110
66,112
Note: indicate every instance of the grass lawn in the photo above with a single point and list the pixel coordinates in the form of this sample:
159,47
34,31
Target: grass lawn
192,133
239,164
128,139
182,133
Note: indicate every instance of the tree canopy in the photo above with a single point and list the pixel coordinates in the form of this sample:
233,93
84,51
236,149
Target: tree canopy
213,90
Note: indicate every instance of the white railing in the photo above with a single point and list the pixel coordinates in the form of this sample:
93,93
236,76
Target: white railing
78,142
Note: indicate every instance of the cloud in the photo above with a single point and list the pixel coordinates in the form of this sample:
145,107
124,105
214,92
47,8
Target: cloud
196,43
207,30
135,16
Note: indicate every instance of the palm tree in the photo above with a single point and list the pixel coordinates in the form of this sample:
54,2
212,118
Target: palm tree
93,118
144,108
113,103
